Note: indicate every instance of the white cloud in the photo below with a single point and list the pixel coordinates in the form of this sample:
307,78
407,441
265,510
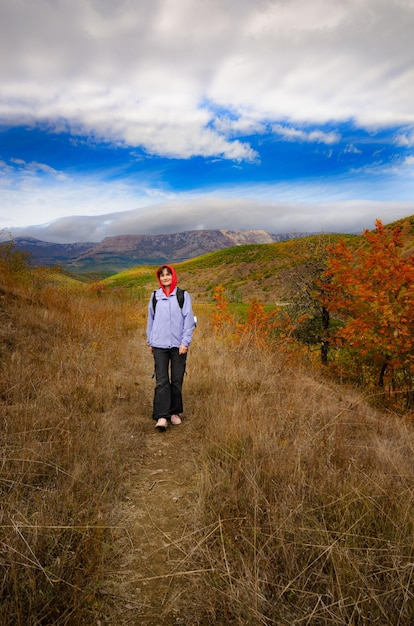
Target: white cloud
351,149
243,125
405,140
37,194
183,78
29,170
140,73
211,212
295,134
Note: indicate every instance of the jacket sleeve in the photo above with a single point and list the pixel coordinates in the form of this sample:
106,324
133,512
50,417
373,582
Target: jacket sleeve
150,320
188,319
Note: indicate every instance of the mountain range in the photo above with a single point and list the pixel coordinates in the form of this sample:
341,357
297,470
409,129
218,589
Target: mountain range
115,254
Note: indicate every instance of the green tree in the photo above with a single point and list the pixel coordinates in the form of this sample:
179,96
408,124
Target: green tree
307,309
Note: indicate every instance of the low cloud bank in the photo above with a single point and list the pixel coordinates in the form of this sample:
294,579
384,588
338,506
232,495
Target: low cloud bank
220,213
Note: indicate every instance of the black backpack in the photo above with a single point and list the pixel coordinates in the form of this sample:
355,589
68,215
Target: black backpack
180,297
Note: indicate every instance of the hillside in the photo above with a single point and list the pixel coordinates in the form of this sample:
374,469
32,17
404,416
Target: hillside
48,253
115,254
246,271
129,250
282,498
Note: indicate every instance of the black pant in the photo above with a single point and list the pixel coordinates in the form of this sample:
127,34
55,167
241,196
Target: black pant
169,375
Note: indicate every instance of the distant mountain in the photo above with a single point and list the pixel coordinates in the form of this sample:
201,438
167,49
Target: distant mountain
114,254
47,253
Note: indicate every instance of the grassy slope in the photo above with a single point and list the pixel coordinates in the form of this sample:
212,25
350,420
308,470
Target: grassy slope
256,270
248,271
305,514
65,356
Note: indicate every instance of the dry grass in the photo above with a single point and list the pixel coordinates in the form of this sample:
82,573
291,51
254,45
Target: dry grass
306,497
63,439
305,511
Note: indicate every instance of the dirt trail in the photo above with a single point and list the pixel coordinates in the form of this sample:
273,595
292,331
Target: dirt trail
156,517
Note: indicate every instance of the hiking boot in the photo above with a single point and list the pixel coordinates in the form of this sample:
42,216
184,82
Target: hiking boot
161,424
175,420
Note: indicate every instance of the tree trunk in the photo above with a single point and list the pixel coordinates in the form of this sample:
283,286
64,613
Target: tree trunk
325,341
382,374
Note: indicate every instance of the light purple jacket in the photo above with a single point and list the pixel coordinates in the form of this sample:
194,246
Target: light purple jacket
170,326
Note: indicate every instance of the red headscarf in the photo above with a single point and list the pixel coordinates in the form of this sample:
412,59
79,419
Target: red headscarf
174,278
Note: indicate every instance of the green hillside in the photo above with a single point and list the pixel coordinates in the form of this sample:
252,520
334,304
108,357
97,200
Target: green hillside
257,270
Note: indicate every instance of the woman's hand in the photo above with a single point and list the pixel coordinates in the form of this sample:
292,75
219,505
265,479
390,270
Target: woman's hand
182,349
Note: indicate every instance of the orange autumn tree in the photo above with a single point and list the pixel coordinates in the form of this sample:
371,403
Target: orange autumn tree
260,325
221,317
371,290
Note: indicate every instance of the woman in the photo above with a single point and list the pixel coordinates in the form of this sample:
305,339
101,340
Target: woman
169,332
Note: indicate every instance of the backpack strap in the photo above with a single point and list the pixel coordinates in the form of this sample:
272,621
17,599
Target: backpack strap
180,298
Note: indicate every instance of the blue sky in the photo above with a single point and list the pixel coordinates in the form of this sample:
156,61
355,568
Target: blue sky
160,116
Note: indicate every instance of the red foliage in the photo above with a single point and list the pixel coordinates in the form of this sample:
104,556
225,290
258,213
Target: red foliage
371,290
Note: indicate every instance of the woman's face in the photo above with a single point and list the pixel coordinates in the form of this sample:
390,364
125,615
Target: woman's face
165,278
